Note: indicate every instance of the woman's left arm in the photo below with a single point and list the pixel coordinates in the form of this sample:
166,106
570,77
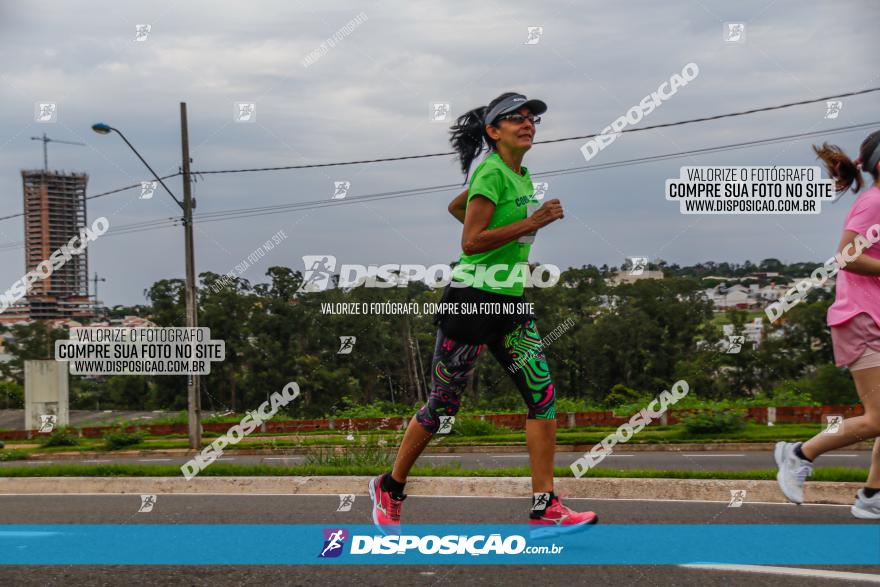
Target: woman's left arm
863,264
458,206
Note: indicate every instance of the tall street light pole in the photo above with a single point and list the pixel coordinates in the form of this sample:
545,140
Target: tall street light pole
194,409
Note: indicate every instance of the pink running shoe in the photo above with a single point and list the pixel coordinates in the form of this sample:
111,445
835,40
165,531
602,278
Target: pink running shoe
558,519
386,509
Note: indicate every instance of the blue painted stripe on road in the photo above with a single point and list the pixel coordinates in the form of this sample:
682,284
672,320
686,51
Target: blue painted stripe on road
287,544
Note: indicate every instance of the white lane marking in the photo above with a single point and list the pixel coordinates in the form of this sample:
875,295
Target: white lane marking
442,456
710,455
558,455
612,456
520,497
791,572
845,456
151,460
788,503
96,461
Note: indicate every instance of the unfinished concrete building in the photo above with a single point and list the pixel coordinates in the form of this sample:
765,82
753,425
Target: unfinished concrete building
54,212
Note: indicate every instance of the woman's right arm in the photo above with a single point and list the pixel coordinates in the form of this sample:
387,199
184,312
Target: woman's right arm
476,239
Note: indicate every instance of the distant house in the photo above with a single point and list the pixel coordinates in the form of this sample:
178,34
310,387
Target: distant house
764,274
735,296
127,322
17,313
751,330
827,286
770,293
133,322
625,277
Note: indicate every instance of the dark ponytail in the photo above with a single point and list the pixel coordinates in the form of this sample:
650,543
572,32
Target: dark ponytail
468,134
843,169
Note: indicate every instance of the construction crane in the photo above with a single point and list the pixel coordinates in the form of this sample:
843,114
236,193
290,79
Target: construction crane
46,140
95,281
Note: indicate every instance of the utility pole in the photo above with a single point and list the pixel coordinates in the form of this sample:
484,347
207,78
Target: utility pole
422,383
194,408
193,391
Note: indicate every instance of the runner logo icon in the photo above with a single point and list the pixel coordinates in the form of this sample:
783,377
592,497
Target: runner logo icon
334,540
47,422
446,423
346,345
319,269
541,501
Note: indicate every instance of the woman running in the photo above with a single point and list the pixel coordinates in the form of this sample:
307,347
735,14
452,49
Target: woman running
500,216
854,318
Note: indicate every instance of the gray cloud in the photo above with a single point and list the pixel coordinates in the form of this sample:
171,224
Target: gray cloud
369,97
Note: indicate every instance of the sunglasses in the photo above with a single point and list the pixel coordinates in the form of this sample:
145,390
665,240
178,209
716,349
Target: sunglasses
519,118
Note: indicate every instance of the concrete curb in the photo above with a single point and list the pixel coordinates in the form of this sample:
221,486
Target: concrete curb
607,488
481,449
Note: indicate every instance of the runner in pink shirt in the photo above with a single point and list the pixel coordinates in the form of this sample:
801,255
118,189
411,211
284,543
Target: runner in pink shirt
854,318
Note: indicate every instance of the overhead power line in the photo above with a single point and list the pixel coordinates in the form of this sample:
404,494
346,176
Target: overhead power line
222,215
445,153
548,141
310,205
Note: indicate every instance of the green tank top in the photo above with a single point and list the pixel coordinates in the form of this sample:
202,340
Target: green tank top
502,270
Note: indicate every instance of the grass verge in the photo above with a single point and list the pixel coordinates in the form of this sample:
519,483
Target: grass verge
657,435
229,470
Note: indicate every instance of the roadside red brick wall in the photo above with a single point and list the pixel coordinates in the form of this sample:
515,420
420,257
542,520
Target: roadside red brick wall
784,415
815,414
598,419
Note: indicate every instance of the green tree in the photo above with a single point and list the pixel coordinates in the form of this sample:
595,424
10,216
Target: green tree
32,341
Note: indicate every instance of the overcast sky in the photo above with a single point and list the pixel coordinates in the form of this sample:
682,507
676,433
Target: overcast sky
369,97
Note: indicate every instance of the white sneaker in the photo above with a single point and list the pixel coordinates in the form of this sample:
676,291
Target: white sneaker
793,471
866,508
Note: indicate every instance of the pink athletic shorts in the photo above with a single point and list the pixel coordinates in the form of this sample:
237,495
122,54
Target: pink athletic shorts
856,343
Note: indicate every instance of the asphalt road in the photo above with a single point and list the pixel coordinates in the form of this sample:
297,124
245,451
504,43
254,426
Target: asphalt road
669,460
304,509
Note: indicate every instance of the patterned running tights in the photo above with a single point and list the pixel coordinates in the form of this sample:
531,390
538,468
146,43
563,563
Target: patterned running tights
519,352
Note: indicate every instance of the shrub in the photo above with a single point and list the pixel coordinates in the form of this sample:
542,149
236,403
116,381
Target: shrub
348,408
1,444
568,404
474,427
13,454
829,385
621,395
710,421
788,393
12,394
60,438
493,401
117,440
